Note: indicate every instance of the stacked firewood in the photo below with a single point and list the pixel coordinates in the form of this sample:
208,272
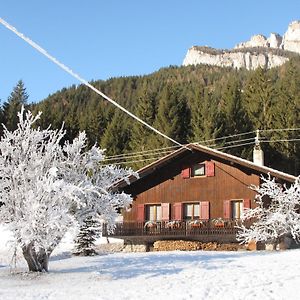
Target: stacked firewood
181,245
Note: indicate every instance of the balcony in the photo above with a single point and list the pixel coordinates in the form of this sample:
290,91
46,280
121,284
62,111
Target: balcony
223,230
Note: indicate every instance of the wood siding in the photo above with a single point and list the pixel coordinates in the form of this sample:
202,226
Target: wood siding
167,185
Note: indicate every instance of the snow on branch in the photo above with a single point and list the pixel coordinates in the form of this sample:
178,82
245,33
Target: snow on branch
47,186
277,213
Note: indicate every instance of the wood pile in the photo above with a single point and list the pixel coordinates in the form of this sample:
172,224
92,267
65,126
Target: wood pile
181,245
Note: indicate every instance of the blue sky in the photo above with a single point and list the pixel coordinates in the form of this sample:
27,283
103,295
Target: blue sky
100,39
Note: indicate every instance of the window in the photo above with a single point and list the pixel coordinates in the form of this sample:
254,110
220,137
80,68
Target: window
198,170
191,211
237,207
153,212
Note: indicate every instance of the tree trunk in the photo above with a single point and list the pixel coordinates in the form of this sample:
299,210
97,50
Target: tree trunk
31,258
43,258
37,262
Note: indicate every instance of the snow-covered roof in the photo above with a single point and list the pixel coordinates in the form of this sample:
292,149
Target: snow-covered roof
214,153
243,161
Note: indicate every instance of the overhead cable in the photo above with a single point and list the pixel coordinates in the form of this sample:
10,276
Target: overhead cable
82,80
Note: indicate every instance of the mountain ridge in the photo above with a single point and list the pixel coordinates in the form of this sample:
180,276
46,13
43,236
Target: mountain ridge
259,51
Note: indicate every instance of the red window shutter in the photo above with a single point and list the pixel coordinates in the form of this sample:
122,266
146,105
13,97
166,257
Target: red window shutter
204,210
178,211
140,215
186,173
226,206
165,211
247,203
209,169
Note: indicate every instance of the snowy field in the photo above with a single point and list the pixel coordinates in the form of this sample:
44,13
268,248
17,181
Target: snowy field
155,275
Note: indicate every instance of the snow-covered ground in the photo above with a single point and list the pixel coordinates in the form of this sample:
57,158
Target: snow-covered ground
155,275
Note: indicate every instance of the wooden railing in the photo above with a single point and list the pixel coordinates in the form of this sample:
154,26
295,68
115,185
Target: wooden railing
175,228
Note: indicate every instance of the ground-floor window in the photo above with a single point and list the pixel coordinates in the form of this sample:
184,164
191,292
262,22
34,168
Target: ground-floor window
237,207
153,212
191,211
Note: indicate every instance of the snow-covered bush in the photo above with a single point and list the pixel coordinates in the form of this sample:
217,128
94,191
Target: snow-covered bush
277,213
47,186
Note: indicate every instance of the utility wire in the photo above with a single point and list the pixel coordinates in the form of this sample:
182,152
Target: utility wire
278,141
82,80
142,152
159,150
281,129
220,148
225,137
139,155
85,82
172,147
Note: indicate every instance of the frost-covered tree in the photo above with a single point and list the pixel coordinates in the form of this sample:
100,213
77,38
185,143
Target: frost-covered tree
85,240
47,186
277,213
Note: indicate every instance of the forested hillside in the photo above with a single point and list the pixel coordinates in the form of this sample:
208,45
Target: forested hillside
189,104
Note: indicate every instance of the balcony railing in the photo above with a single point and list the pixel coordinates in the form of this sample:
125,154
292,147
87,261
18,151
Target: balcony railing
175,228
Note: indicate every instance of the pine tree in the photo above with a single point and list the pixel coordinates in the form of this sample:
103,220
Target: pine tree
259,97
235,118
95,126
140,139
15,101
206,118
72,124
116,135
288,116
85,240
173,117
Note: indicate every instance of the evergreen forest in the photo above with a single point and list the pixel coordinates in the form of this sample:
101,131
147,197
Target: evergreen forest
189,104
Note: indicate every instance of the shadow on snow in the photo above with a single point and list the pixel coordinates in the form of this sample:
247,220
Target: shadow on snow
115,266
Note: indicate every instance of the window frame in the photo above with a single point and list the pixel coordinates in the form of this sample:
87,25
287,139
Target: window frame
241,208
147,212
193,217
193,168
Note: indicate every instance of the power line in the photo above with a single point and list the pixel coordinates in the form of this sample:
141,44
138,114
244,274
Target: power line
159,150
142,152
281,129
220,148
135,161
82,80
225,137
172,147
235,146
139,155
278,141
85,82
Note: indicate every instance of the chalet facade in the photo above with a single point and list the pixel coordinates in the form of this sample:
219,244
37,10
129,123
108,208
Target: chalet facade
193,193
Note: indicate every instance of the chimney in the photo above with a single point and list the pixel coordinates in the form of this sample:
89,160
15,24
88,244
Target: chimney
258,153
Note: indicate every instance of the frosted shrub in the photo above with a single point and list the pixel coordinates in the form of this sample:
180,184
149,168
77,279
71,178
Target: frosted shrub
277,213
46,187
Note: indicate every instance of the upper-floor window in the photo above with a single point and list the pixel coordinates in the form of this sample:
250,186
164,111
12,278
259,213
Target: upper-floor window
203,169
198,170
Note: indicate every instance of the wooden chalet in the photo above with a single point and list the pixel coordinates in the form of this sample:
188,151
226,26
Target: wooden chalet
194,193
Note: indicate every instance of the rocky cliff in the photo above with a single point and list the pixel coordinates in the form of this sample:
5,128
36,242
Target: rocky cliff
259,51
